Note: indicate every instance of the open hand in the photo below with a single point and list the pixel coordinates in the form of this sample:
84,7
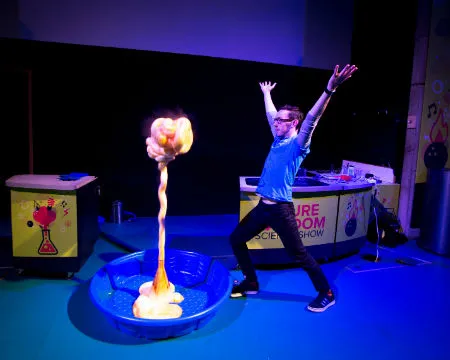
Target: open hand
267,86
339,77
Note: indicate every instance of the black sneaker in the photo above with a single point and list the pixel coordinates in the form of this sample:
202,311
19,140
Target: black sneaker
322,302
244,288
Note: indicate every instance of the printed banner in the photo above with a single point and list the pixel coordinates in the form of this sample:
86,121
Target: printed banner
316,222
388,196
43,225
353,220
434,133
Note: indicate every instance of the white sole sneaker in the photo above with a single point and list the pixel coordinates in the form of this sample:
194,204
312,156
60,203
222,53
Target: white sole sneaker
323,308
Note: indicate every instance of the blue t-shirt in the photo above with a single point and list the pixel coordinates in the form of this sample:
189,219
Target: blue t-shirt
280,169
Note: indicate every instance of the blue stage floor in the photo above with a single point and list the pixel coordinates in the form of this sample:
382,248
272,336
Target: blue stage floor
142,233
384,310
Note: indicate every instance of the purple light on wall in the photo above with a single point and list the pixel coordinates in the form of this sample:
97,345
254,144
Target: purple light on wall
272,31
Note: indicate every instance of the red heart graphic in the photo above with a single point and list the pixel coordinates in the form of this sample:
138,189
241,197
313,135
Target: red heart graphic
44,216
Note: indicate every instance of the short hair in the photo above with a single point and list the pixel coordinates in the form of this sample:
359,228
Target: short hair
294,112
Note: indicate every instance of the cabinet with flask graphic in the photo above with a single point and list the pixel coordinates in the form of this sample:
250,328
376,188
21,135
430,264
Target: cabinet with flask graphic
54,222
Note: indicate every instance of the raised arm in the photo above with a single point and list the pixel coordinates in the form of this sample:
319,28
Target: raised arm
271,111
313,116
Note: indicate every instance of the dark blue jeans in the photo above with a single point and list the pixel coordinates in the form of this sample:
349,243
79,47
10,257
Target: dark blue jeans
281,218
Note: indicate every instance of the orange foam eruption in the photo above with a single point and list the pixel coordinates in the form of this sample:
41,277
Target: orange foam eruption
168,138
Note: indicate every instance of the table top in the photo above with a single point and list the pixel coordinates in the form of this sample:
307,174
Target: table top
311,184
50,182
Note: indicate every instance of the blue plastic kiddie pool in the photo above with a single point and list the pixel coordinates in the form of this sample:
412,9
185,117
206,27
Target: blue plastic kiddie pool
204,283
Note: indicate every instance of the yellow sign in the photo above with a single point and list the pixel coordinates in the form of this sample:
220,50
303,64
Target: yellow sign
316,221
387,195
44,224
434,132
353,217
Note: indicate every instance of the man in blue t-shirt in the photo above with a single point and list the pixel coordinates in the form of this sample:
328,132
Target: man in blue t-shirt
275,208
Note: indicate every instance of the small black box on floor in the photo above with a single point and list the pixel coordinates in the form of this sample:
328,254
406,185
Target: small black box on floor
54,222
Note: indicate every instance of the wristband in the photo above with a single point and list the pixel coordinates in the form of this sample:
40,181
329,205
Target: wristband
328,92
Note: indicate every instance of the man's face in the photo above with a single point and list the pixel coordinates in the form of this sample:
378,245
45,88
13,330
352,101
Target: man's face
282,124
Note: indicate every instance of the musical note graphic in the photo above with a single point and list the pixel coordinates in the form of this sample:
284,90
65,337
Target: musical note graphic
432,106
